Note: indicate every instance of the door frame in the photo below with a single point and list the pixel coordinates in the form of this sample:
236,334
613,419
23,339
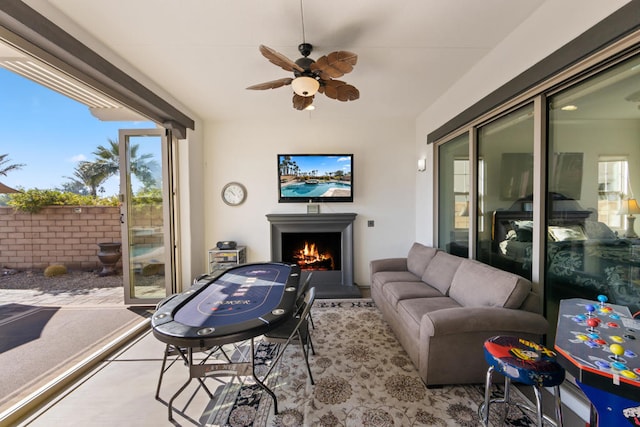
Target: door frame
168,204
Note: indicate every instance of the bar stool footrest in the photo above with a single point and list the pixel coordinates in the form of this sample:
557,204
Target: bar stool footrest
546,418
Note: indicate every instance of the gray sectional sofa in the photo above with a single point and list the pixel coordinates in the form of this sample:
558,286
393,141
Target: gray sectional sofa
442,308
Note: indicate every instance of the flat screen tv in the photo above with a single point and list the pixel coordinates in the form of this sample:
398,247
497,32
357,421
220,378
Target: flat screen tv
304,178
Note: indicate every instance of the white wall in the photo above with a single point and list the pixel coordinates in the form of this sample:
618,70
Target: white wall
190,188
384,181
245,151
388,189
553,25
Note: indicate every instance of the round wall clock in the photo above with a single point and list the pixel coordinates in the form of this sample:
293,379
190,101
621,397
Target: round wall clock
234,193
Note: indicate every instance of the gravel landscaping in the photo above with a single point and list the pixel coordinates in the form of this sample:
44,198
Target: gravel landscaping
72,281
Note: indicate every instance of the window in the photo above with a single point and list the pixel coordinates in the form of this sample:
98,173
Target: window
461,180
592,248
613,176
505,192
453,196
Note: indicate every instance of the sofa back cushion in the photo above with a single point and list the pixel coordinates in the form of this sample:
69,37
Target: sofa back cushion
440,271
479,285
418,258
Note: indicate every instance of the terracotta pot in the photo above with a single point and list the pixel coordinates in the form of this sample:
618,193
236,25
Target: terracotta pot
109,254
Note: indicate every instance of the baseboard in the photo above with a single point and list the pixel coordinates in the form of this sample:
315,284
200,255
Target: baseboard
331,291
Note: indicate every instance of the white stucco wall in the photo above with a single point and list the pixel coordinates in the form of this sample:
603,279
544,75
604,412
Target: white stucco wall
388,188
384,181
551,26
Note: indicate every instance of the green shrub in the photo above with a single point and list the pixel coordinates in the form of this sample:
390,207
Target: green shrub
149,196
55,270
34,200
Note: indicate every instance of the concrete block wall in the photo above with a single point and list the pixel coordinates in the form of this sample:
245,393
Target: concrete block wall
56,235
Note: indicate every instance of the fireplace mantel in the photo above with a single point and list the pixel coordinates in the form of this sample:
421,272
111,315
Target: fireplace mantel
330,283
325,218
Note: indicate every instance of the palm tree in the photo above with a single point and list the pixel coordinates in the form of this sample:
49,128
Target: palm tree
73,186
4,170
90,175
284,165
142,167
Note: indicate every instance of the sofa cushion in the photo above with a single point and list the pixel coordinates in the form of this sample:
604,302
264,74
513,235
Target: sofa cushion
441,270
479,285
398,291
418,258
411,311
383,277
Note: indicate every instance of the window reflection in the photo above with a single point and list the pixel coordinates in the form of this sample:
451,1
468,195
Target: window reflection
590,242
505,188
454,180
590,250
613,179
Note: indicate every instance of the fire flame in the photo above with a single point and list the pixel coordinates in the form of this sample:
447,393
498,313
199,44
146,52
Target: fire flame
310,257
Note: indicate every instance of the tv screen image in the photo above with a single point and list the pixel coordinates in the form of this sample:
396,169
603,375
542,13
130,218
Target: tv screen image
304,178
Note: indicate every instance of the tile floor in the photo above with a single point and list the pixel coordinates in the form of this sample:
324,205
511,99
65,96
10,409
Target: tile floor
120,390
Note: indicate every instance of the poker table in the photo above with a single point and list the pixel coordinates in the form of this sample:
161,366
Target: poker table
599,343
239,304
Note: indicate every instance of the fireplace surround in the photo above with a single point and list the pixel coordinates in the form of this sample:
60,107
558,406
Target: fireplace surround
330,283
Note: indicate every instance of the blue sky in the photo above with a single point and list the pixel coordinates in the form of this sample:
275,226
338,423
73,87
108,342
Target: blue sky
322,164
49,133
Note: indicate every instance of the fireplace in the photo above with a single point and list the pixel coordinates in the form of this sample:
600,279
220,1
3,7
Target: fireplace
313,251
321,244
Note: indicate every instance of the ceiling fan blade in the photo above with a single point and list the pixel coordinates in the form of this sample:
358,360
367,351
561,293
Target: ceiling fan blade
301,102
336,64
273,84
337,89
279,59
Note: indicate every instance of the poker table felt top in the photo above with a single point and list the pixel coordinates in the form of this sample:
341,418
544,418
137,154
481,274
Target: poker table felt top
242,302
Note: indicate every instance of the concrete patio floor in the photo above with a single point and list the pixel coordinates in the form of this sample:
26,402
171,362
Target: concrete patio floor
107,296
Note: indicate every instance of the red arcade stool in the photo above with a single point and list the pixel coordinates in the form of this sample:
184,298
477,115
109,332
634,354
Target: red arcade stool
525,362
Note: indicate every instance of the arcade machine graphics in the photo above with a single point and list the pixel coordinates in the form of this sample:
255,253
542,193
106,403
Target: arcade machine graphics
599,343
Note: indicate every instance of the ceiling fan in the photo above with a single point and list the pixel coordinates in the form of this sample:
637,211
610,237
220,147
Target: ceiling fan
310,77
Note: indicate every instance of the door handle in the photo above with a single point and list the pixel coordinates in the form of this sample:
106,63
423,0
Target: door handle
121,218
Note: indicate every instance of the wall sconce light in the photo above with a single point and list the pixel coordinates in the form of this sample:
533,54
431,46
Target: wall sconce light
422,165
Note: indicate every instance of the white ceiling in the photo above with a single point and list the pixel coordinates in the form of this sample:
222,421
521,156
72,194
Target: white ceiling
205,52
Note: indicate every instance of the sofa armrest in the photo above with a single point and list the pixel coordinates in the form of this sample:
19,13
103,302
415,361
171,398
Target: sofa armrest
458,320
388,264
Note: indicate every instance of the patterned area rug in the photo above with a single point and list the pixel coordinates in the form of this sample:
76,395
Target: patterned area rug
362,376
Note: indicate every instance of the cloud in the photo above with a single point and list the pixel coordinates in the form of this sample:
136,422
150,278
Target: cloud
78,158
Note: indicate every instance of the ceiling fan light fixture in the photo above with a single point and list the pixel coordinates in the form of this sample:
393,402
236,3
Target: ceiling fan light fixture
305,86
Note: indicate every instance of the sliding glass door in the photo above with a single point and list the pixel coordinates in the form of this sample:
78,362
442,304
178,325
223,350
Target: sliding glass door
594,177
505,192
454,177
573,155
